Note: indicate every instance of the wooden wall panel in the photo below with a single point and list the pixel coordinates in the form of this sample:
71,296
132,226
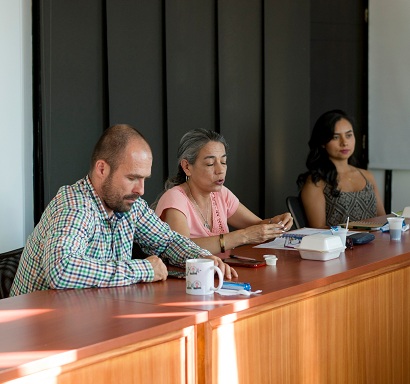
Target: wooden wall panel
166,359
354,334
162,364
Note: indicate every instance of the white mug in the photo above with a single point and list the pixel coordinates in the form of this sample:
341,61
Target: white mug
200,277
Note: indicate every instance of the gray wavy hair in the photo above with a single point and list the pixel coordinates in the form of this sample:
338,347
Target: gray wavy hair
189,147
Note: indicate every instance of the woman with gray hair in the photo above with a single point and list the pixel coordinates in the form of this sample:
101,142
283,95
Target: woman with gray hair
196,203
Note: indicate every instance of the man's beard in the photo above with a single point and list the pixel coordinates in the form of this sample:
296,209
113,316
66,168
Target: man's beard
113,200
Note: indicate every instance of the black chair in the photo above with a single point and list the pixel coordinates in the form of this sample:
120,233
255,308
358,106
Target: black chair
296,209
9,262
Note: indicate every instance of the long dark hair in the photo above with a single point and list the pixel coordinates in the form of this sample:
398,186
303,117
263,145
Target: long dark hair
189,146
319,166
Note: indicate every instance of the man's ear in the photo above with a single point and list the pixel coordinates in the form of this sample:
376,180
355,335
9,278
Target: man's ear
102,169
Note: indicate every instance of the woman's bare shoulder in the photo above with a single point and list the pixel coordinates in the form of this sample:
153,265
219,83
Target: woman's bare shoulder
311,184
367,174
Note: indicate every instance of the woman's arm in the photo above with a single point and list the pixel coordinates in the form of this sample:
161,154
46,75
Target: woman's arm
244,218
253,234
379,204
314,203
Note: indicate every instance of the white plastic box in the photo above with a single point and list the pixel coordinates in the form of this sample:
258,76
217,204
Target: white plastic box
320,247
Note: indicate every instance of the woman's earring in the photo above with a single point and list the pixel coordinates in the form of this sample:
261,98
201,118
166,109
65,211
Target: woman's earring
186,178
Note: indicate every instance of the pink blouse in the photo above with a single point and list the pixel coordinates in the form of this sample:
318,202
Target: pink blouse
224,205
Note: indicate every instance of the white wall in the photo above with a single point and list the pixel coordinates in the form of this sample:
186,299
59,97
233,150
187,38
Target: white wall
389,84
389,91
16,124
400,188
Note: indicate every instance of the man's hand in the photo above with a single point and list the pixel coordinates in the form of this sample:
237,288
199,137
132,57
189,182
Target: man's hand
160,270
227,271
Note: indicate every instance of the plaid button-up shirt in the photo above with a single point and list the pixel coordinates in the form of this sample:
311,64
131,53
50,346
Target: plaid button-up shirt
77,245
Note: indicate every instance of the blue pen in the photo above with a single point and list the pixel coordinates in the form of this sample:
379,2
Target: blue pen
236,285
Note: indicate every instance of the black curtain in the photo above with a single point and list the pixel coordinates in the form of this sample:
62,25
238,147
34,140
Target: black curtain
240,67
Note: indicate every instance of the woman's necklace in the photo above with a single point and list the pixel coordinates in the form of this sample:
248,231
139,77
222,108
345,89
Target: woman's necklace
206,224
349,174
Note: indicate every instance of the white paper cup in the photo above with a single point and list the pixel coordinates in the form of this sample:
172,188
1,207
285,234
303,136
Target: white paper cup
200,277
395,227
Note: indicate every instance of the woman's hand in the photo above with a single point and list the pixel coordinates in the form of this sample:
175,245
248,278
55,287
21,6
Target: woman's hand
260,233
285,219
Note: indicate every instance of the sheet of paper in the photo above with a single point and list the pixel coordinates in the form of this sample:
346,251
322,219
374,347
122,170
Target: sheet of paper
279,242
310,231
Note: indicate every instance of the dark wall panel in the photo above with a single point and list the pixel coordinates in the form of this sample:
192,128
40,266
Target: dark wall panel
339,62
135,76
240,42
287,98
190,73
253,70
72,89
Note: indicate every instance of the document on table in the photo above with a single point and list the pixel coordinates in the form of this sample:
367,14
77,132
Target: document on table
279,242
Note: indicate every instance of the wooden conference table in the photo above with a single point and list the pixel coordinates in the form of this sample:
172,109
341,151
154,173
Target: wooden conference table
344,320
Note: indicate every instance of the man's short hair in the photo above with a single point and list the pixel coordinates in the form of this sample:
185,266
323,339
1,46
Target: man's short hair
111,145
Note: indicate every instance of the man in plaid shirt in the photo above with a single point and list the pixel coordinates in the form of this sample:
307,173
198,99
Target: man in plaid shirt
85,236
